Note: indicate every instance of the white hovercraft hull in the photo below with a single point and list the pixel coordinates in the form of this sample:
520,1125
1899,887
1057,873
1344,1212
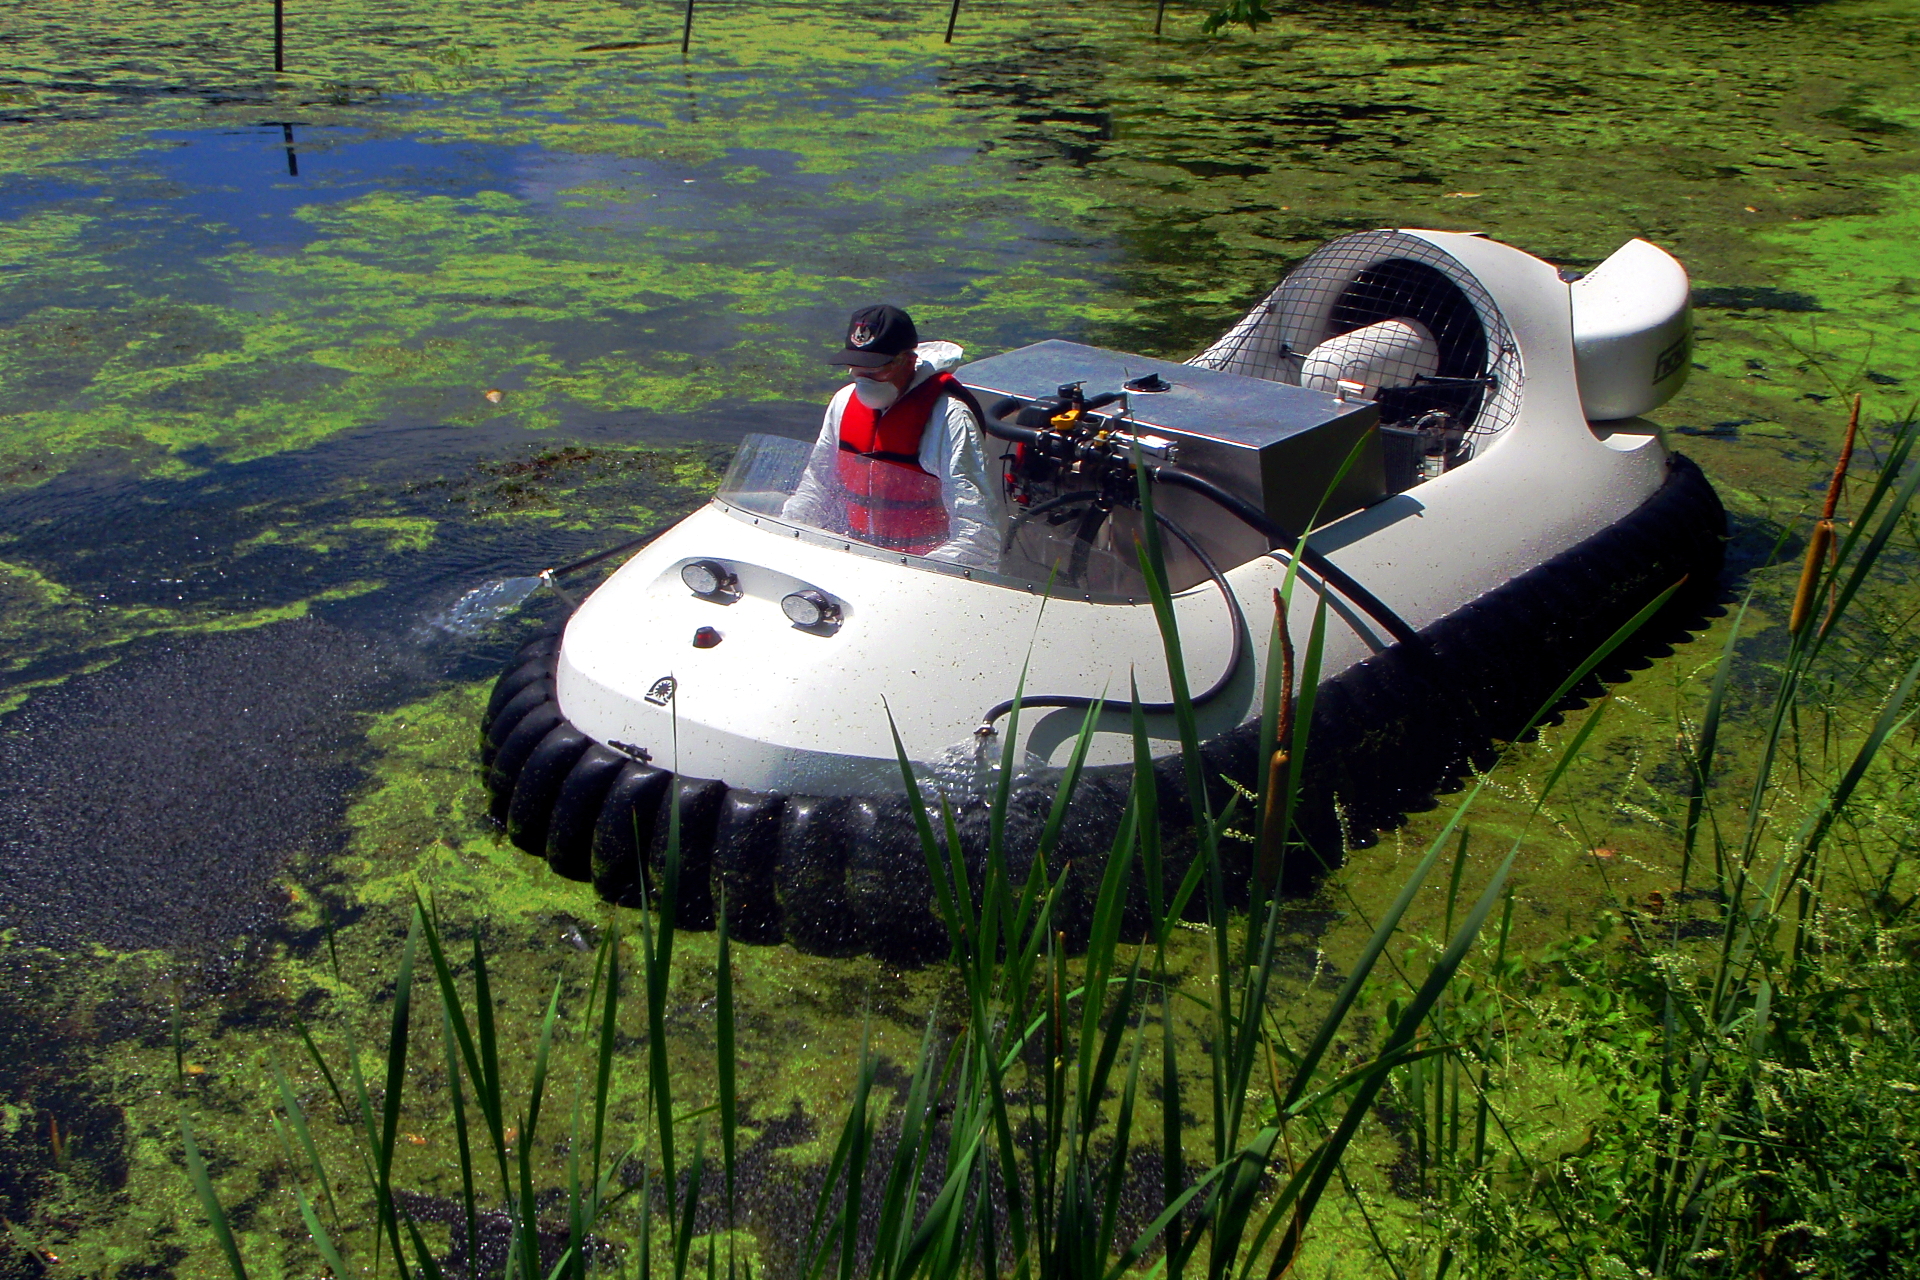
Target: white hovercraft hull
1505,555
778,709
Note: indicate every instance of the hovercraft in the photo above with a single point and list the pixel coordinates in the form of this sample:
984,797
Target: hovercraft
1458,420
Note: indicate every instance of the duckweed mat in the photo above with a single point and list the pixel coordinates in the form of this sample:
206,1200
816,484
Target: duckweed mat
290,364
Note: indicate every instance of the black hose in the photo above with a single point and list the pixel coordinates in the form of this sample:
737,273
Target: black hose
1040,509
1090,523
1082,537
1328,572
608,554
1240,508
1234,659
1001,429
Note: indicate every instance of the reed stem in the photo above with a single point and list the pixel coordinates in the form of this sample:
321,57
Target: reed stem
1273,833
1821,543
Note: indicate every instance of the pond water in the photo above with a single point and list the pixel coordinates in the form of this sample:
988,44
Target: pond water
289,367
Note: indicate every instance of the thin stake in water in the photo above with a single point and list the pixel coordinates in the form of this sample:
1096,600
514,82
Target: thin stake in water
279,36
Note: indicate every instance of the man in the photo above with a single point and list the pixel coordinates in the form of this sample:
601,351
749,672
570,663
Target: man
901,462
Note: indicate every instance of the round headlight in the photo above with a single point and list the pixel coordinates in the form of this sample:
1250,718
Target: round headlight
810,609
709,578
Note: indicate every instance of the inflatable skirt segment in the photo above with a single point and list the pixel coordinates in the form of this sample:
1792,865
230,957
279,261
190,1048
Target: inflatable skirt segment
844,875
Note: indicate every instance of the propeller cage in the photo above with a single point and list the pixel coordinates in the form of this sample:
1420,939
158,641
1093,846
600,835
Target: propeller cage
1356,283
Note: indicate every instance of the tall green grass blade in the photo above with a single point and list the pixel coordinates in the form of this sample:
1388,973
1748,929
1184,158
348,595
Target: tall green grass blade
1093,1084
955,907
726,1058
683,1239
1892,716
1272,691
1239,1193
1003,785
526,1225
1146,802
297,1120
1173,1154
1070,779
909,1155
824,1233
610,1033
1117,1162
475,1050
657,941
1144,1241
941,1223
320,1064
321,1240
1101,943
487,1086
429,1268
396,1083
1304,703
1708,743
854,1197
210,1202
1153,571
580,1208
1384,930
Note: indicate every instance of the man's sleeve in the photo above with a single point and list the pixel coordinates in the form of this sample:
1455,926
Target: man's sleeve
814,502
957,453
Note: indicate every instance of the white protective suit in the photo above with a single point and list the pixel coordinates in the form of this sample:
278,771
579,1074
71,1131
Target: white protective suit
952,448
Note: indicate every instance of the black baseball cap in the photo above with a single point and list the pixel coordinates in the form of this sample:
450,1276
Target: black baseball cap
876,335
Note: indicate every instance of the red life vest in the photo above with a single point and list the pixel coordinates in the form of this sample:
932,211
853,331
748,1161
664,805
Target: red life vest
891,500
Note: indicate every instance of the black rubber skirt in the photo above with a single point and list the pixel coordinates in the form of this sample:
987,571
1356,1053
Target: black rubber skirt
843,875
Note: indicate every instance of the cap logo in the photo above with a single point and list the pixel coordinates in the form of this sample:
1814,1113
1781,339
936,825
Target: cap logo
861,336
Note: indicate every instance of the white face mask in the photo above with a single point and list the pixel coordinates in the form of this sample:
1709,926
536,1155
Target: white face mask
874,393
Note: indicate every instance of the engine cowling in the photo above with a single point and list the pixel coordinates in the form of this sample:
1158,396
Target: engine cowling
1632,332
1388,353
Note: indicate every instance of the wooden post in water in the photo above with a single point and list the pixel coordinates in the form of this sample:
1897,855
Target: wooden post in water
953,16
1159,16
686,31
279,36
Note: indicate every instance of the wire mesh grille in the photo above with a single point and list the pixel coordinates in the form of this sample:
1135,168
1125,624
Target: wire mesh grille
1393,313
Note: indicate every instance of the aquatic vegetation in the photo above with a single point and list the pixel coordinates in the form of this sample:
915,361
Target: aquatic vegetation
638,254
1023,1137
1653,1094
1032,1192
571,274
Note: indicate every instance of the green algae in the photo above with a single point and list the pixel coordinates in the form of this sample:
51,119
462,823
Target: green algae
68,605
1209,165
1141,196
419,832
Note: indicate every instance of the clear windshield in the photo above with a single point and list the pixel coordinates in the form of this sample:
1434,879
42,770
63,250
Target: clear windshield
1069,540
765,473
